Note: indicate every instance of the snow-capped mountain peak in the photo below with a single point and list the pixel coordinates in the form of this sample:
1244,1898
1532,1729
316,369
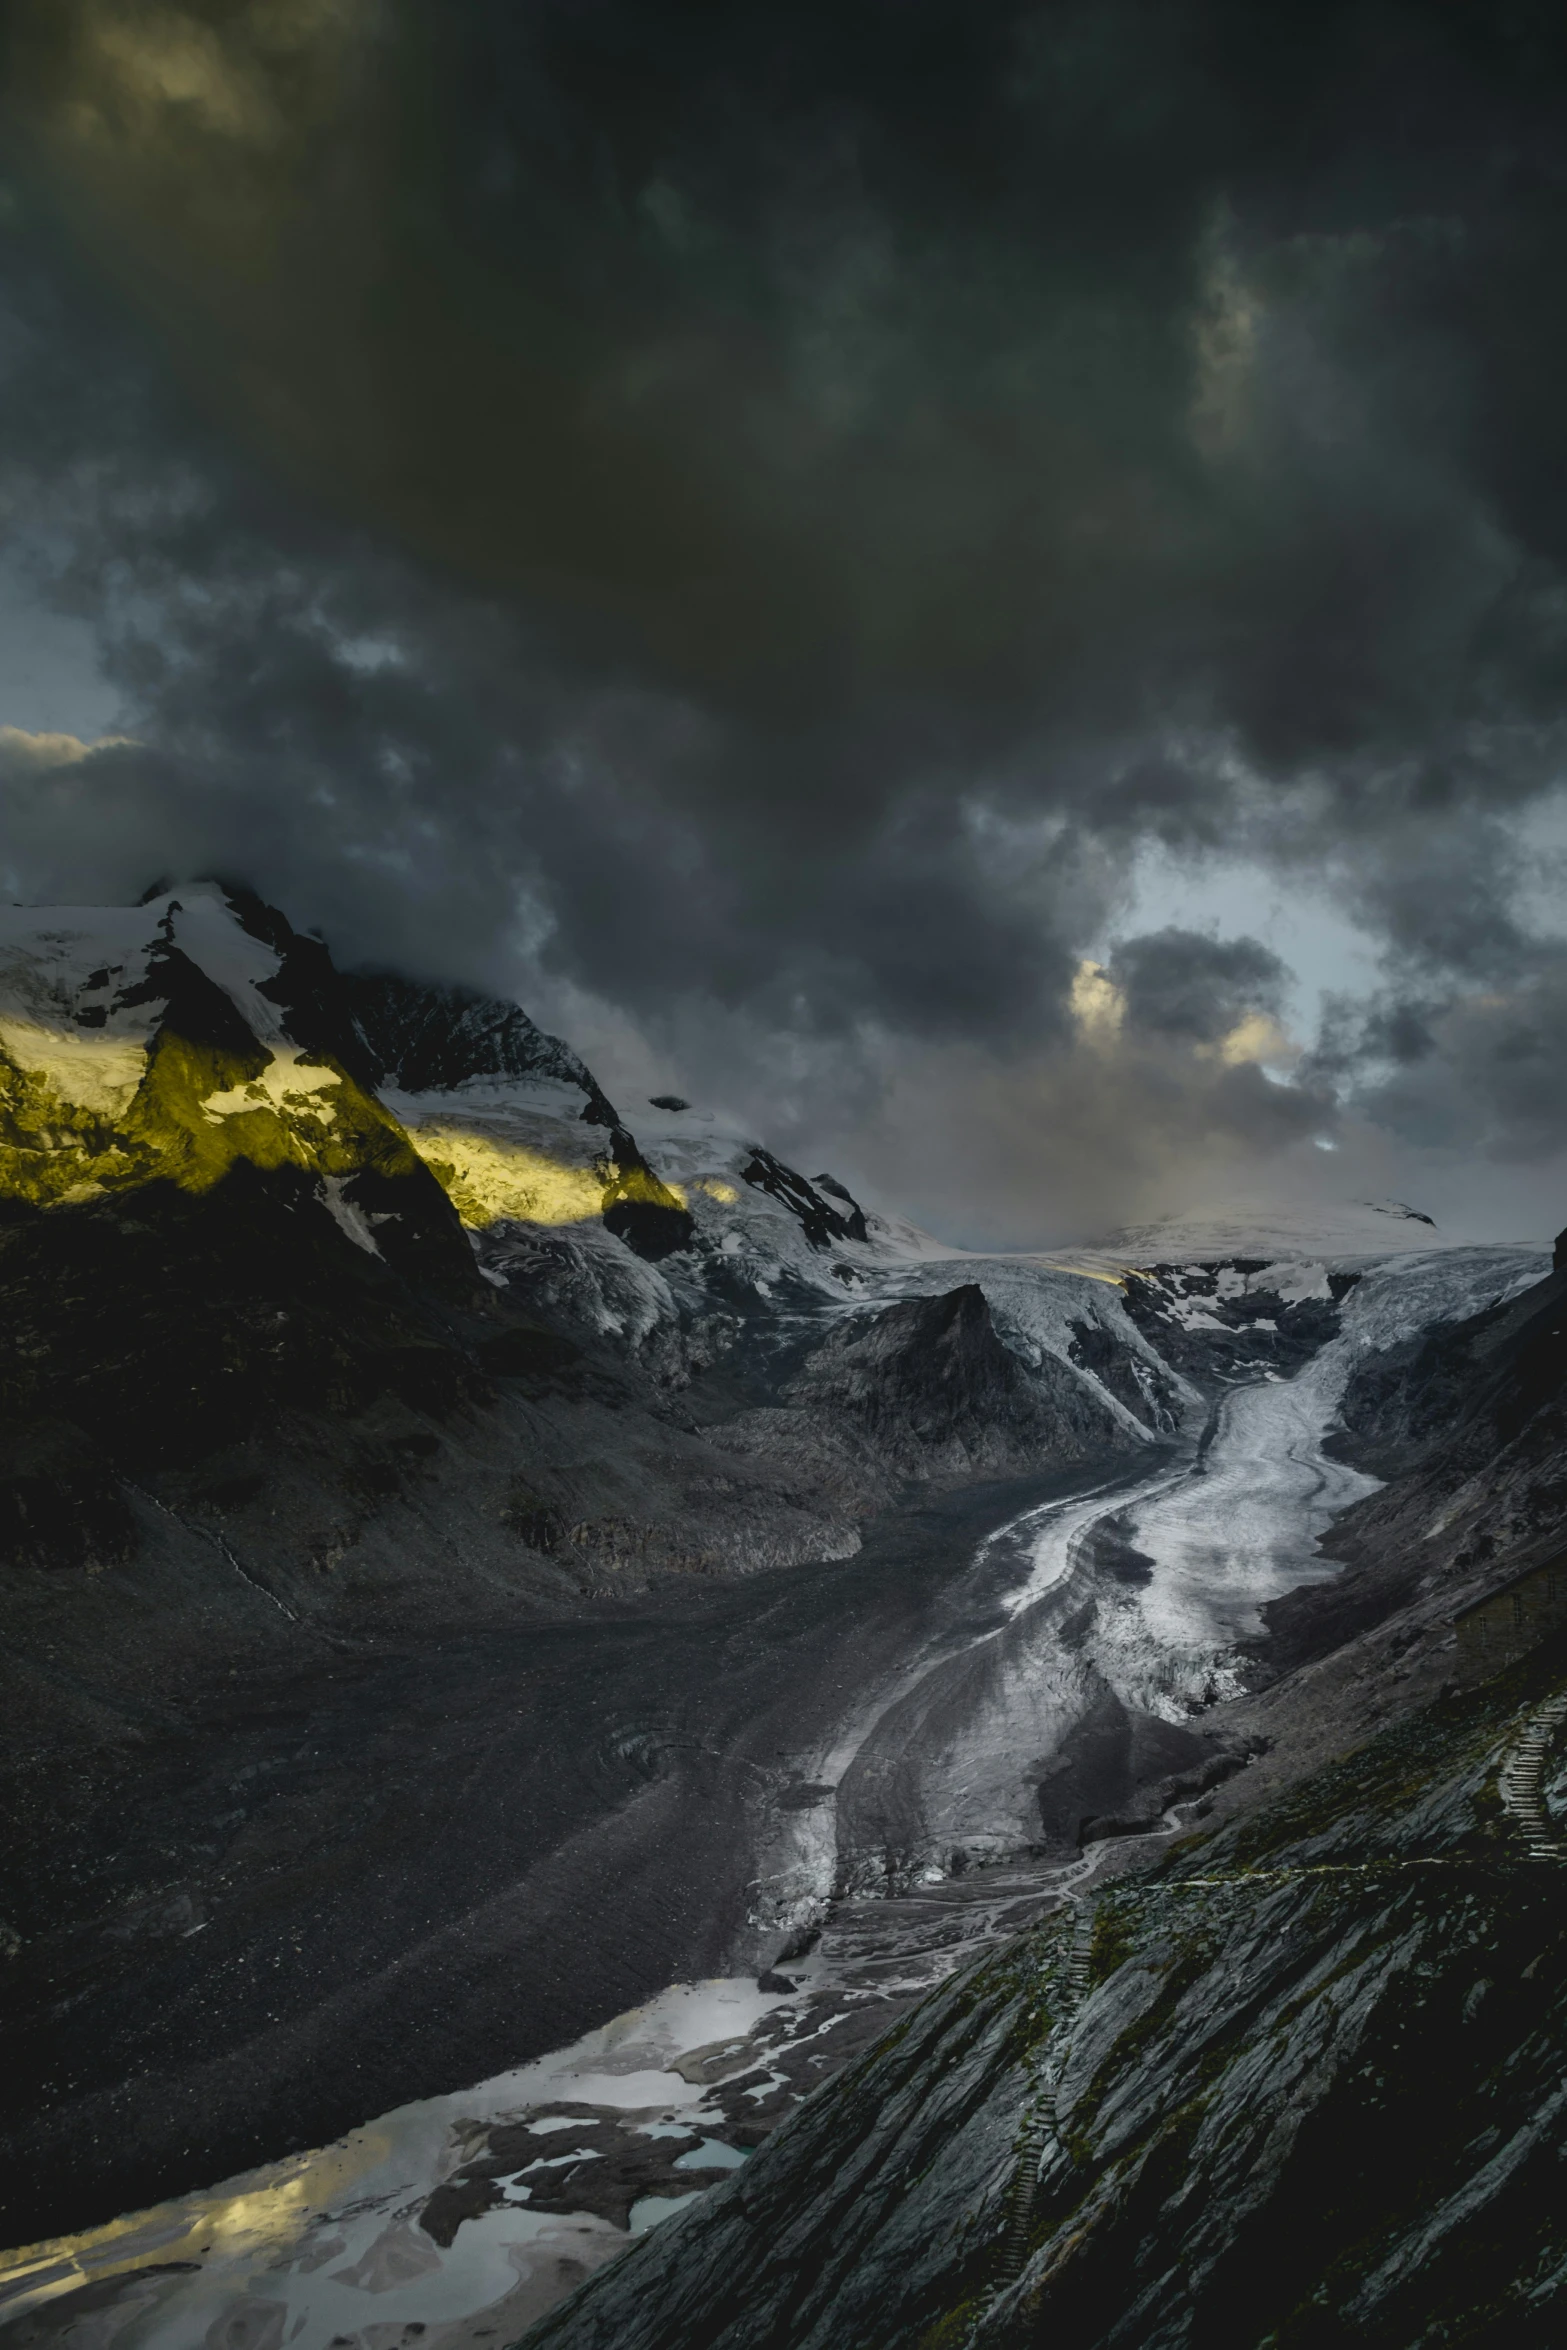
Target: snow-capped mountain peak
174,1041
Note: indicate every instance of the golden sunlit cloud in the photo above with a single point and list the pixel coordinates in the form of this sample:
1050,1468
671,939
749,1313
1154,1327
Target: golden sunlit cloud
1256,1038
1098,1005
20,748
143,74
1099,1009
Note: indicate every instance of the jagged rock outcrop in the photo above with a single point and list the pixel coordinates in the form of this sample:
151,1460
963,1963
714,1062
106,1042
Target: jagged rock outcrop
1221,1322
424,1039
820,1220
151,1046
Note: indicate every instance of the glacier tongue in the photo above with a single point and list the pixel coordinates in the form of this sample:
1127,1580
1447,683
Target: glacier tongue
1131,1597
1245,1522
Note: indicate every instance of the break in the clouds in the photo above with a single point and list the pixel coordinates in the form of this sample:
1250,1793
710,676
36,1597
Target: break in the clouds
745,523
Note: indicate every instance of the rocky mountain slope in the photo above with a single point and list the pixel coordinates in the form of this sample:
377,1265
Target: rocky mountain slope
349,1323
1299,2085
242,1191
1295,2080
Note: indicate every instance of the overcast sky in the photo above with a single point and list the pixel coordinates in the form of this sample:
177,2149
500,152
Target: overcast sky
984,586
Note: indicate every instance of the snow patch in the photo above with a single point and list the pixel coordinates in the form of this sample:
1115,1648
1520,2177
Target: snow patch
288,1083
346,1216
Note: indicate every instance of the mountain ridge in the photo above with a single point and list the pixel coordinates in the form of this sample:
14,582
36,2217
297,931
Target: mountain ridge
308,1383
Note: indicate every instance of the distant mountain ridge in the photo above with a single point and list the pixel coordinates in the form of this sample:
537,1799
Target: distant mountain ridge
1265,1229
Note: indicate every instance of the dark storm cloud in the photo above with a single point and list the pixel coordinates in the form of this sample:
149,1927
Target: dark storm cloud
828,349
1483,1074
771,507
1443,891
1179,983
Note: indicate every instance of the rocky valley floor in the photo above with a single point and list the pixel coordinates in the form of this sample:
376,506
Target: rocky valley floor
378,1879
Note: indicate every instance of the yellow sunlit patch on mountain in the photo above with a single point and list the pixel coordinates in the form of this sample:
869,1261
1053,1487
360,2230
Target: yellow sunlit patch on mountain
725,1193
487,1179
90,1071
1070,1264
84,1113
490,1180
286,1083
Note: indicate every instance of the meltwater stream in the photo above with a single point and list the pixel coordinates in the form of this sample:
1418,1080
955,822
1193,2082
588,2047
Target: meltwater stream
1139,1587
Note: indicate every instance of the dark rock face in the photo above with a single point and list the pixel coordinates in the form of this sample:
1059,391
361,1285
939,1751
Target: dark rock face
1468,1424
170,1326
1479,1385
651,1229
1147,1394
821,1222
839,1191
1117,1768
922,1393
930,1386
640,1209
425,1038
60,1504
1311,2099
315,998
1216,1329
